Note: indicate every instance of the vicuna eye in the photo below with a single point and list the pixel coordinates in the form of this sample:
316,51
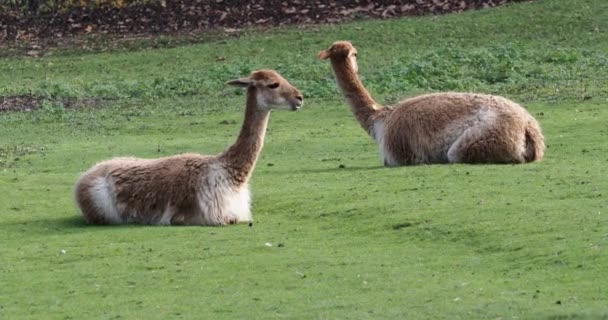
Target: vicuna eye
273,85
355,55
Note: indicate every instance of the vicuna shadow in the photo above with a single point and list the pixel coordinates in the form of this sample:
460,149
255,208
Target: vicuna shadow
76,224
52,226
327,170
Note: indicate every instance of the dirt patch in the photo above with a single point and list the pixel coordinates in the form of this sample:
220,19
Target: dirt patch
169,17
31,103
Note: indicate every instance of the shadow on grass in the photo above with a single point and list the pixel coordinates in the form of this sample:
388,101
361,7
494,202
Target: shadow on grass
68,222
328,170
47,226
72,222
61,225
76,224
346,168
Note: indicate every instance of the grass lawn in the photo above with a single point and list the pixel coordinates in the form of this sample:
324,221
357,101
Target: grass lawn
350,239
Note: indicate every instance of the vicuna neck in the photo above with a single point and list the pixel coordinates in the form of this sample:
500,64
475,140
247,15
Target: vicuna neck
240,158
361,103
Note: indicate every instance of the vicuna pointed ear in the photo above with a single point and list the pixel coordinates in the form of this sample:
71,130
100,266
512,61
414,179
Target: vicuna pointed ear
242,82
324,54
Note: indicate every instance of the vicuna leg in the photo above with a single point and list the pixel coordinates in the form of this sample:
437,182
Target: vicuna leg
488,144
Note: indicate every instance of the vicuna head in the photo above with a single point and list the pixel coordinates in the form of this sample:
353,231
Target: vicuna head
271,90
341,51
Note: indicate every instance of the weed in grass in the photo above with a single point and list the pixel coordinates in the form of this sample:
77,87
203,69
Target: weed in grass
10,155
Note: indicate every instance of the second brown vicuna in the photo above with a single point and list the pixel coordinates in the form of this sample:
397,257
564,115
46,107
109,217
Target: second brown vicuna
445,127
188,189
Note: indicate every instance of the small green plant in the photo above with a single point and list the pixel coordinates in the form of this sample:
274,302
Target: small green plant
52,106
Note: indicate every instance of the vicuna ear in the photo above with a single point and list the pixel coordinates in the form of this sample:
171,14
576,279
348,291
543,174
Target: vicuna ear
323,55
242,82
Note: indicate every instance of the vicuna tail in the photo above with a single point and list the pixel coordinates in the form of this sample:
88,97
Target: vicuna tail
535,142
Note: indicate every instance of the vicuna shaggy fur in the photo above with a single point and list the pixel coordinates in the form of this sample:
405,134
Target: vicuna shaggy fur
439,128
188,189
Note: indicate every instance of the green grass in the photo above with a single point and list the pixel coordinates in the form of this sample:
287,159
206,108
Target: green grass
358,242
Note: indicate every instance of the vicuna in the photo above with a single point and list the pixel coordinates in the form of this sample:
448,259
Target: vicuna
441,127
188,189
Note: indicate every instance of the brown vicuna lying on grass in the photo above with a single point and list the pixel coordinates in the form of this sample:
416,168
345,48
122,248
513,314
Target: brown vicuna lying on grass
188,189
441,127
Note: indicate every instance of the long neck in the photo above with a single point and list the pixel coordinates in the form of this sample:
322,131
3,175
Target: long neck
240,158
361,103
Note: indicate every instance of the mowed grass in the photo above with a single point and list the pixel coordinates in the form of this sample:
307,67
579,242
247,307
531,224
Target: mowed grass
349,238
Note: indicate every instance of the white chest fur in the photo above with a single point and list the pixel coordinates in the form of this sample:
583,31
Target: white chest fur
379,134
219,198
